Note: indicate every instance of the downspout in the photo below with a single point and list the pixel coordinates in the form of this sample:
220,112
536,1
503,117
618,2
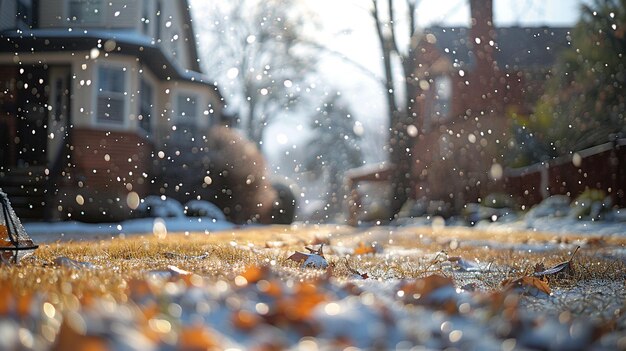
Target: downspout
63,159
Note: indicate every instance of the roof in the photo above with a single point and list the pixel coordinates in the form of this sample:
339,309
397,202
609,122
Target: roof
128,42
516,47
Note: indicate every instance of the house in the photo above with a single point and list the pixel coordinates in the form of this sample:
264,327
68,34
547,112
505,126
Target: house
97,99
474,82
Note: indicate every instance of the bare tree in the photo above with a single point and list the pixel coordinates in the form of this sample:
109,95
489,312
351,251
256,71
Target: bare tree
399,47
256,50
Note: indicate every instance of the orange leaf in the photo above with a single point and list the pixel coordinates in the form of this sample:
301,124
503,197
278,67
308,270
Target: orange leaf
245,320
272,288
299,306
196,337
255,273
363,249
425,286
6,299
24,304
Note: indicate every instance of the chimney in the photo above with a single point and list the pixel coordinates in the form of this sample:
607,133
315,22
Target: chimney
482,33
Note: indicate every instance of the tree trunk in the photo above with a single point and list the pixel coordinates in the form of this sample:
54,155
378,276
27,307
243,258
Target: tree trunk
400,143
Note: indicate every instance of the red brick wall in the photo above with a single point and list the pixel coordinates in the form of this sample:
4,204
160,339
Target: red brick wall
99,158
129,155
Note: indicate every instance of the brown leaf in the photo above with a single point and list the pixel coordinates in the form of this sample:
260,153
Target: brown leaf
314,259
560,270
319,252
422,292
539,267
298,257
527,285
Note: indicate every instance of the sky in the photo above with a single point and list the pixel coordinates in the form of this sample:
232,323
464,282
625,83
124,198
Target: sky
348,30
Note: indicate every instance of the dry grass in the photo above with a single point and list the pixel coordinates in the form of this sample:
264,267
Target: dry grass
226,254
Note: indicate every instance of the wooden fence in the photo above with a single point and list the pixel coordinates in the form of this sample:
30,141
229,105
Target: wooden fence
600,167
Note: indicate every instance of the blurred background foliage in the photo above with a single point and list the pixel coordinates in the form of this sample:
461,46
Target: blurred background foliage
584,100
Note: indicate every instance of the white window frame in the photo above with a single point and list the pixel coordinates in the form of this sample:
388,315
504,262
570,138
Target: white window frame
123,123
181,120
144,80
443,97
181,116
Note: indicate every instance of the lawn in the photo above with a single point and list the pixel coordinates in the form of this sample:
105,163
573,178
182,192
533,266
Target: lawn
382,288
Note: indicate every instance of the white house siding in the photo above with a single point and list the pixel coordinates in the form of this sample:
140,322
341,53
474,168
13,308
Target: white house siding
175,49
116,14
52,13
123,14
7,14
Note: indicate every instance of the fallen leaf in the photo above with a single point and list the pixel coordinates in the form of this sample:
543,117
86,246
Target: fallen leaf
6,299
245,320
299,306
527,285
298,257
561,270
425,286
355,273
196,337
465,265
434,290
314,259
255,273
363,249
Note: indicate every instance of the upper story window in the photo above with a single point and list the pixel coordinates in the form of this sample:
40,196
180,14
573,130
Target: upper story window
25,14
146,106
187,116
111,95
187,108
443,97
85,11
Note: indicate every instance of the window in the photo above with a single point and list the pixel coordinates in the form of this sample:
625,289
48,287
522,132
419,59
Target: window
187,115
111,100
187,109
146,106
441,105
24,14
85,11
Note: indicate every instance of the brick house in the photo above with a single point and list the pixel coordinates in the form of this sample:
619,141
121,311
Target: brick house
474,82
96,97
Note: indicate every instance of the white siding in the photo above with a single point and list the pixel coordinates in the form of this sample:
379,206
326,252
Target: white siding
7,14
51,13
123,14
115,14
175,49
